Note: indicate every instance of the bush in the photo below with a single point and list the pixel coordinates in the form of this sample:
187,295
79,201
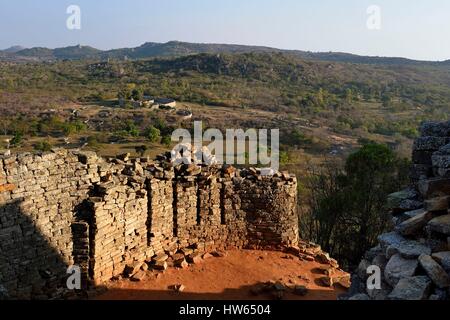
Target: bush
43,146
166,140
17,139
152,134
346,206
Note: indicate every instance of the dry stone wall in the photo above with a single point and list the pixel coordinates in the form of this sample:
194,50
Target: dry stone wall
414,259
107,217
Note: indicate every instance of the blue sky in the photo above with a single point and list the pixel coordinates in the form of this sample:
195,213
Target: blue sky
417,29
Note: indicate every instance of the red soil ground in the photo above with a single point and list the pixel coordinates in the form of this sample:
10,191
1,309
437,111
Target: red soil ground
231,277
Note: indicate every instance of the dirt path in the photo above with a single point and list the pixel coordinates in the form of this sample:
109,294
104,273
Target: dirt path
231,277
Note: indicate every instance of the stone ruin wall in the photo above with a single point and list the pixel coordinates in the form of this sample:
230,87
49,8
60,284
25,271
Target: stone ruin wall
69,208
414,258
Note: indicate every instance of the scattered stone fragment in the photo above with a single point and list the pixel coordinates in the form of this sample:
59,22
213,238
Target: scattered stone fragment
160,258
194,258
160,265
207,256
132,269
139,276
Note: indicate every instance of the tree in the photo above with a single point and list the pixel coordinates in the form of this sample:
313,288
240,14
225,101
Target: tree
17,139
137,94
346,206
166,140
131,128
152,134
43,146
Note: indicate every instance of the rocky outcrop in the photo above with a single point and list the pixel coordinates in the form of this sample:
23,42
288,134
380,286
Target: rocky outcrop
415,257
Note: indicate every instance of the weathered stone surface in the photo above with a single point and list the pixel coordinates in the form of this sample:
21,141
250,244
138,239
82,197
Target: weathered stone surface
132,269
443,258
391,238
160,265
414,224
396,200
194,258
437,274
420,235
398,268
434,187
411,288
410,249
139,276
7,187
437,204
326,281
440,224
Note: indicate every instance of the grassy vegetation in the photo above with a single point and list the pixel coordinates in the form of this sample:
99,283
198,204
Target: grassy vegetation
320,107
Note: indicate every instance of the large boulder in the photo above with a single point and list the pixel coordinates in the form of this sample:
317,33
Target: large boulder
405,200
439,276
440,224
411,288
391,238
398,268
414,224
408,249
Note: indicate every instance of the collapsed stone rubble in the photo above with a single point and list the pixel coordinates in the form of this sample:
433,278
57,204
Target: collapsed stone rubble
414,258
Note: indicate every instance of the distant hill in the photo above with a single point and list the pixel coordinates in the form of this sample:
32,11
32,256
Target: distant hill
179,49
14,49
70,53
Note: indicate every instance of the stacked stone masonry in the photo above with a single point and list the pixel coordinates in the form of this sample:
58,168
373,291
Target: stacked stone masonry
414,258
68,208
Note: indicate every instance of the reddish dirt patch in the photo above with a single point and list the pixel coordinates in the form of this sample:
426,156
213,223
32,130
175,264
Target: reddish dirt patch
228,278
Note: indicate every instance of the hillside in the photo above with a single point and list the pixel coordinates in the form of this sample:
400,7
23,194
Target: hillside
320,107
177,48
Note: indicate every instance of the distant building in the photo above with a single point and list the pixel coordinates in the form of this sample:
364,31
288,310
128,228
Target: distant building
165,102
